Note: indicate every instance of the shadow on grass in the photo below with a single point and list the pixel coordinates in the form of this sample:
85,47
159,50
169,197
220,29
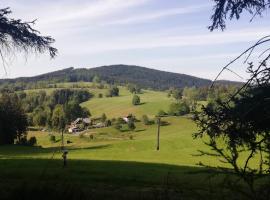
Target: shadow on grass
140,130
18,150
102,179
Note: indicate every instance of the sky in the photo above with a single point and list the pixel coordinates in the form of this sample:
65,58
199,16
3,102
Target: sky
169,35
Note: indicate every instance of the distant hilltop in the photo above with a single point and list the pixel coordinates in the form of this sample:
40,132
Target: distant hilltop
122,74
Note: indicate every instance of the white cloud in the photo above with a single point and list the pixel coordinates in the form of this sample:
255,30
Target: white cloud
151,41
141,18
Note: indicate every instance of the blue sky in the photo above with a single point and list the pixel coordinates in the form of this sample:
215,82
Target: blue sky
169,35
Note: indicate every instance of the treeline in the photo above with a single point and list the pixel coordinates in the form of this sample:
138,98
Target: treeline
190,99
54,111
115,74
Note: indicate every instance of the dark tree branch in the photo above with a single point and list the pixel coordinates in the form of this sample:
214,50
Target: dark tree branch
18,36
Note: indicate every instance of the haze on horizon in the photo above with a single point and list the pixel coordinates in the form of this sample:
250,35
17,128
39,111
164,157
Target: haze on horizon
151,33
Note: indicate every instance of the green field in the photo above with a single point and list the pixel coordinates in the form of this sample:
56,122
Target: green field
151,103
119,165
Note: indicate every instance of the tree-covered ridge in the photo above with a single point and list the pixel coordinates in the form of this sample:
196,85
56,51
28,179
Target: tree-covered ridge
114,74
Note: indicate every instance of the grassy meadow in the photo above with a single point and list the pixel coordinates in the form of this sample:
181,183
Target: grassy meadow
112,164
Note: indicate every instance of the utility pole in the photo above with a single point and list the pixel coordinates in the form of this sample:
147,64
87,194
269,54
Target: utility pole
62,140
158,121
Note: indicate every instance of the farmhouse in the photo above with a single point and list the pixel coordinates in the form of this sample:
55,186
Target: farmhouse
75,125
86,121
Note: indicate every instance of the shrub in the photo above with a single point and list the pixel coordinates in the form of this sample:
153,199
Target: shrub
162,122
145,120
118,126
136,100
91,137
178,109
52,138
22,141
103,117
100,95
108,123
112,92
131,125
161,113
32,141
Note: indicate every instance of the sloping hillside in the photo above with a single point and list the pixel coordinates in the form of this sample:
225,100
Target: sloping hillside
121,74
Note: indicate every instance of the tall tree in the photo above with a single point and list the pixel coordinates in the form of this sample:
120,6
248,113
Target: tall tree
13,120
238,127
59,118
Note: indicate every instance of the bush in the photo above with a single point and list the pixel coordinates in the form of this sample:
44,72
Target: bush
22,141
32,141
161,113
178,109
162,122
108,123
131,125
52,138
136,100
117,126
112,92
145,120
103,117
100,95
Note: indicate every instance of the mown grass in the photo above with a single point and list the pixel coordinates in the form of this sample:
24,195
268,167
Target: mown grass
151,103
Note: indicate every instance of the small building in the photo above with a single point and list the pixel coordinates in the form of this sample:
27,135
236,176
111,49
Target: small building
127,118
86,121
99,125
73,130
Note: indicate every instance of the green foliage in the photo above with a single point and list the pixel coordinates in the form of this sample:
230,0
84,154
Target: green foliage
161,113
175,93
136,100
134,89
161,121
117,126
32,141
100,95
65,95
131,125
39,117
96,79
73,110
52,138
108,123
13,120
146,120
191,93
103,117
58,118
112,92
118,123
179,108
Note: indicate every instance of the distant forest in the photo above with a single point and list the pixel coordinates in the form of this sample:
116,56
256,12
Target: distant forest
115,74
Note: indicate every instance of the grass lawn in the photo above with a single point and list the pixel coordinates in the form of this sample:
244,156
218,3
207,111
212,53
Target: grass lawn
151,103
111,164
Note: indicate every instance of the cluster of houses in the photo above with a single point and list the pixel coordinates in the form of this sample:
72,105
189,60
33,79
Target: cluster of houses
80,124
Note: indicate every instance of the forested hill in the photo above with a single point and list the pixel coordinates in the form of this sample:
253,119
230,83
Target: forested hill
120,74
